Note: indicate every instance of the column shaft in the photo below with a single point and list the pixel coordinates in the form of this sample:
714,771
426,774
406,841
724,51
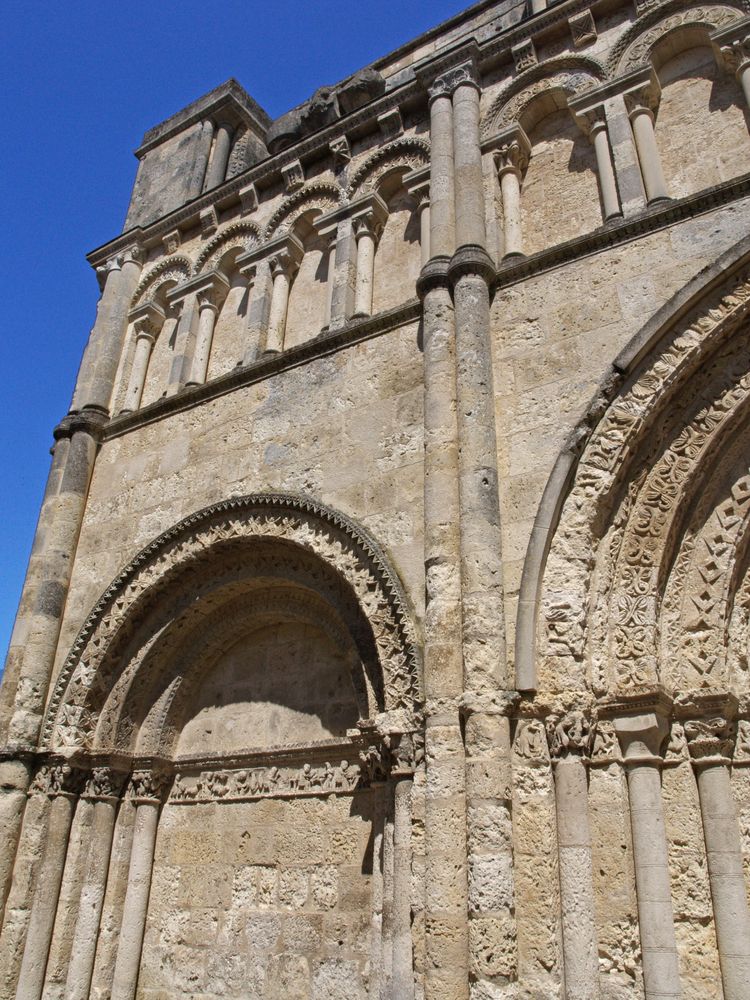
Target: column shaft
206,322
468,180
217,168
442,183
403,974
48,579
277,318
743,75
642,120
202,153
376,914
135,908
655,915
330,279
606,174
44,900
15,776
725,872
143,345
102,355
576,880
386,982
424,231
365,271
83,952
510,187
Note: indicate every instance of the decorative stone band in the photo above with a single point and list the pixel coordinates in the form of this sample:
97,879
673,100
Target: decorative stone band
266,782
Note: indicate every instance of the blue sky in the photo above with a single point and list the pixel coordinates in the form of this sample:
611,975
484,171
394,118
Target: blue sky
81,81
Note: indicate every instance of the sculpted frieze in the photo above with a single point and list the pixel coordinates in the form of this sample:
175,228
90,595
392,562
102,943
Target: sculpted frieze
244,784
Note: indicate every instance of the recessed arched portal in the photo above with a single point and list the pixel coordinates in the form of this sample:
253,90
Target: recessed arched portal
255,672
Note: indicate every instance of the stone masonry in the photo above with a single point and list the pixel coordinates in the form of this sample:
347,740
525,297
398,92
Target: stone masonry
386,633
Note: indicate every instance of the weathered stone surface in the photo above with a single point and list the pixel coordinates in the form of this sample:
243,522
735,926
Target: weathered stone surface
385,632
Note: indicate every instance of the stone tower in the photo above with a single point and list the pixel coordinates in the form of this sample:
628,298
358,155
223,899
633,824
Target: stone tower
386,634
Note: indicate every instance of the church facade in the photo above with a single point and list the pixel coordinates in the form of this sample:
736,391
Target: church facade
386,633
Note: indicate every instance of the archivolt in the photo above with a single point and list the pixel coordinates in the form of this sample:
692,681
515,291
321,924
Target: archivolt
571,74
674,399
166,576
243,235
316,195
634,48
176,268
407,153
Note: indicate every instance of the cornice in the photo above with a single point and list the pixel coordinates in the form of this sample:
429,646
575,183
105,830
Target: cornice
265,367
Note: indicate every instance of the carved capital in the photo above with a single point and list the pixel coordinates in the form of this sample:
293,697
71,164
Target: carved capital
641,720
512,152
447,83
643,97
57,779
736,55
369,215
104,783
709,739
286,259
590,120
571,735
148,786
375,762
147,320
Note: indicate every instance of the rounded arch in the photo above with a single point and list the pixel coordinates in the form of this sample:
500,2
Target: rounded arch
318,195
405,153
165,577
634,49
175,269
570,75
633,468
239,236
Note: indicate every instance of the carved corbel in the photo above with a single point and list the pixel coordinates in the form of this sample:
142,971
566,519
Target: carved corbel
292,176
248,199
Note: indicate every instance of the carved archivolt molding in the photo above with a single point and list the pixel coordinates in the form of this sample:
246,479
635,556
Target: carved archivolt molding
242,235
320,195
176,268
572,74
634,48
407,153
84,685
642,467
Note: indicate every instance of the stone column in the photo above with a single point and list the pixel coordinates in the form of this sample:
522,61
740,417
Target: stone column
147,791
642,101
511,161
330,275
446,890
570,739
733,49
469,182
593,121
404,760
202,153
61,783
101,358
103,789
147,321
641,726
442,179
217,168
367,230
209,299
284,263
709,742
15,777
37,628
